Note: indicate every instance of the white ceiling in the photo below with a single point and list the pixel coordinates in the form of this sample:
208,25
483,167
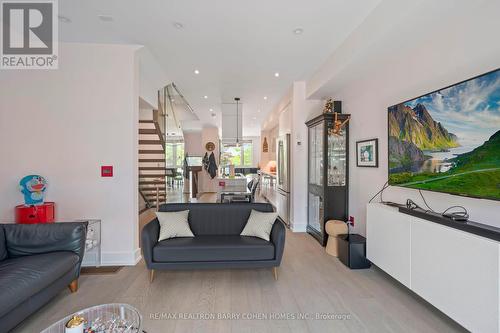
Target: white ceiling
236,45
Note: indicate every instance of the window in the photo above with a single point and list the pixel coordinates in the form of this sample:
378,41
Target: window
174,153
240,155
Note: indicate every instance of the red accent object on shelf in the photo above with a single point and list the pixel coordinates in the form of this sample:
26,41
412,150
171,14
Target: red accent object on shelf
351,219
44,213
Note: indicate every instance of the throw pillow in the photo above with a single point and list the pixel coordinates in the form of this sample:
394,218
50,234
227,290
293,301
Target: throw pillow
259,224
174,224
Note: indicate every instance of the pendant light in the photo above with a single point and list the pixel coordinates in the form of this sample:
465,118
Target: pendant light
237,100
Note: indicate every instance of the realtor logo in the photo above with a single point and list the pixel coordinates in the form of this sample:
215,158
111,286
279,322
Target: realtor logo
29,35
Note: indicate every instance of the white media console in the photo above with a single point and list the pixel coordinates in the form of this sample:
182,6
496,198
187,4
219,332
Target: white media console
456,271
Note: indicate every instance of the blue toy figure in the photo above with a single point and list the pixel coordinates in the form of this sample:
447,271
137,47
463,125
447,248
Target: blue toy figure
33,188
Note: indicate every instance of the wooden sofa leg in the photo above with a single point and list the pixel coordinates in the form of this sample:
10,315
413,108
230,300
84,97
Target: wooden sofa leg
151,275
275,272
73,286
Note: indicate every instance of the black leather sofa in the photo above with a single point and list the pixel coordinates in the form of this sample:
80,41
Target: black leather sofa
37,261
217,242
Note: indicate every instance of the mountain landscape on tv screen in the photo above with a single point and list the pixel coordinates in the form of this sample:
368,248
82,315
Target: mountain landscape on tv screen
449,140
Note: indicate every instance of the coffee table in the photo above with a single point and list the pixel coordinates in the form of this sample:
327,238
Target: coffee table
109,318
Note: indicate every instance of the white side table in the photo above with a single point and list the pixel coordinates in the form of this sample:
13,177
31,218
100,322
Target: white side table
92,256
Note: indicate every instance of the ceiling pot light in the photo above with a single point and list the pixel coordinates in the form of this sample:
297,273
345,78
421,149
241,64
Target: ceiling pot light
63,19
265,97
105,17
258,111
205,97
178,25
276,74
196,71
298,31
211,110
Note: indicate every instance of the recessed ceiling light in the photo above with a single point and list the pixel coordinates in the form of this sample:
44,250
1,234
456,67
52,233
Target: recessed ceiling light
196,71
178,25
63,19
265,97
211,110
205,97
277,74
298,31
258,111
105,17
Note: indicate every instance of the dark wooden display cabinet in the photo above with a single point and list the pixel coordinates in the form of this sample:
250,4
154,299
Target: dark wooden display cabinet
328,174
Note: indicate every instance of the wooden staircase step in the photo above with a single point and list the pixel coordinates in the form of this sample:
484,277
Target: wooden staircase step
146,160
147,131
147,187
152,182
146,122
153,203
153,195
152,168
150,142
153,190
153,175
147,151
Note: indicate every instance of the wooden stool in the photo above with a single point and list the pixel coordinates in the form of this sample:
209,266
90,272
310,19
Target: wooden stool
333,229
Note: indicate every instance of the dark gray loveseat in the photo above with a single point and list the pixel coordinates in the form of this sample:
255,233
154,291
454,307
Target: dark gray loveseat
37,261
217,242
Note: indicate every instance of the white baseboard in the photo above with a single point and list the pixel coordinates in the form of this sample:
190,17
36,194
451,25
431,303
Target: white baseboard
123,258
137,255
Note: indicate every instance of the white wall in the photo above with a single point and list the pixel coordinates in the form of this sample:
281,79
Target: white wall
403,51
301,111
64,124
289,117
271,136
192,143
206,183
151,76
257,147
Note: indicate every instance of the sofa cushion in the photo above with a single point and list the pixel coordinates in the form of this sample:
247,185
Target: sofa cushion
213,248
3,248
217,219
173,224
260,224
23,277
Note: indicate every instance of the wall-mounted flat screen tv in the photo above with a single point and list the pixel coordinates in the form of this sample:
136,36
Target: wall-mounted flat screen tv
449,140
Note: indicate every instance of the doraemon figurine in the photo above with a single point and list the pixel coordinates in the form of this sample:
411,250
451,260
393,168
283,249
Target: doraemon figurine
33,188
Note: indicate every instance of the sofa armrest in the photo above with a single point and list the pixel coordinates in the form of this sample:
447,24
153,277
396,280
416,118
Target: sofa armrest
278,233
29,239
149,238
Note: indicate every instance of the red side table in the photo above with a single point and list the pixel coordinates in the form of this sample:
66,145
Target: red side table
44,213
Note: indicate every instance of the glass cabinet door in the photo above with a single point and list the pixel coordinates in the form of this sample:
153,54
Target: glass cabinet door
315,212
312,161
316,154
336,172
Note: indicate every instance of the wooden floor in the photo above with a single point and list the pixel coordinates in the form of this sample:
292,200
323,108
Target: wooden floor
310,283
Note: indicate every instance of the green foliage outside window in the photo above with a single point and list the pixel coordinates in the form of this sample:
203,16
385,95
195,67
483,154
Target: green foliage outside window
239,156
